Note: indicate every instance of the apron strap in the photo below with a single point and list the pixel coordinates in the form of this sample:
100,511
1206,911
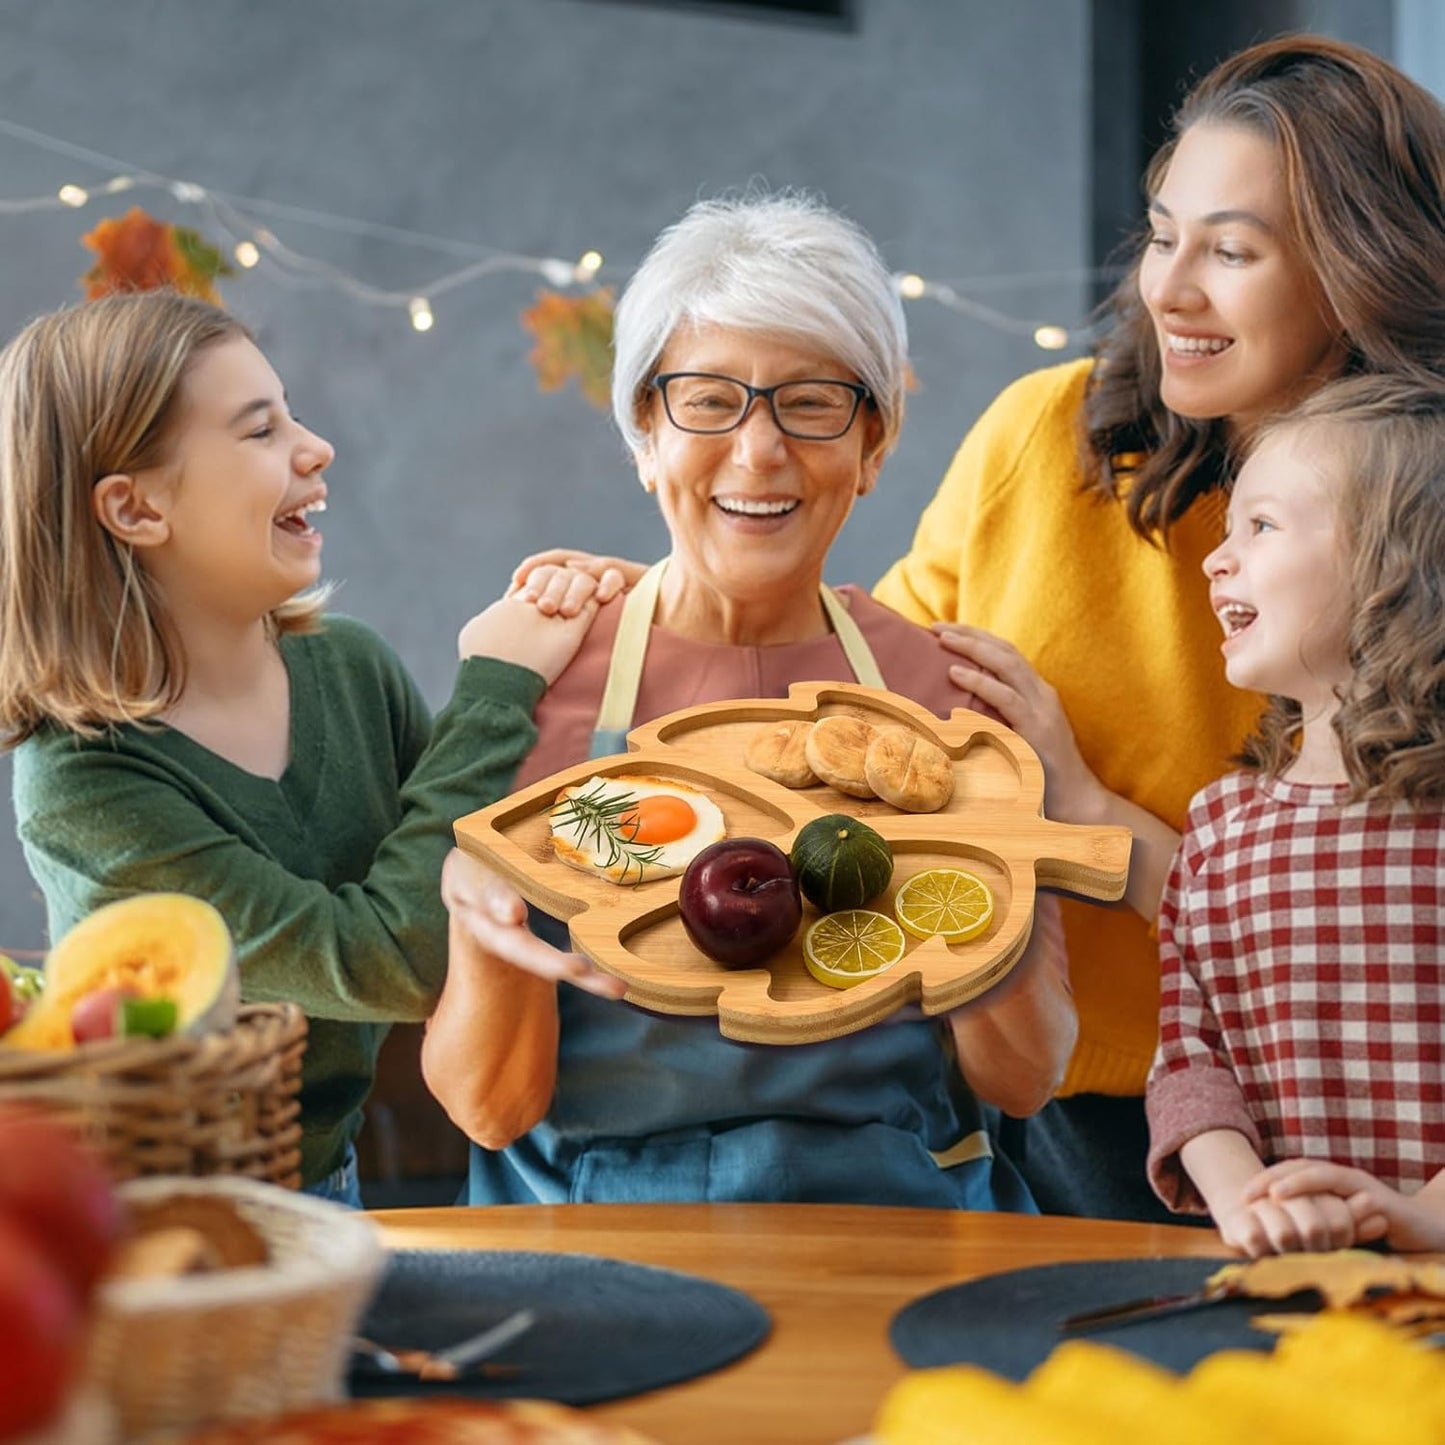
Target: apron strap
629,650
850,636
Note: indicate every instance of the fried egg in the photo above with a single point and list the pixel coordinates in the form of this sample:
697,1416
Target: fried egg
631,828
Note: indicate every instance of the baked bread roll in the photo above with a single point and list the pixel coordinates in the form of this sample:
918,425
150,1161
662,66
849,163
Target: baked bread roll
777,752
908,770
187,1234
836,749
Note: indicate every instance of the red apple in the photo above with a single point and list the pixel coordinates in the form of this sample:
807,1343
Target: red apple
40,1333
740,902
96,1015
121,1012
59,1195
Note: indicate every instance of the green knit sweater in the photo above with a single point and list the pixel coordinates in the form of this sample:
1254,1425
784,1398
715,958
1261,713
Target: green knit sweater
328,877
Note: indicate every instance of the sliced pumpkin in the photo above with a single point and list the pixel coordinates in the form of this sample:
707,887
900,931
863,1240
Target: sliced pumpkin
160,945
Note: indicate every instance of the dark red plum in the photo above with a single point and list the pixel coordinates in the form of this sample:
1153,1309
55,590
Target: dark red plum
740,901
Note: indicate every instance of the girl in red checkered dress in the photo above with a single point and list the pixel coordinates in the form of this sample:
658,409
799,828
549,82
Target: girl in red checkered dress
1298,1092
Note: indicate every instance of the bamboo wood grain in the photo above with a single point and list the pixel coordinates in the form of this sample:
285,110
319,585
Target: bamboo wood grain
831,1276
993,826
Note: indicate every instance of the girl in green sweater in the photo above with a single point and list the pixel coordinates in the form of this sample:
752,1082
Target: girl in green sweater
183,717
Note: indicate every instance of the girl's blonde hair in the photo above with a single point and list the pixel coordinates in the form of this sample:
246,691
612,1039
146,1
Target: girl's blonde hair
1386,435
88,391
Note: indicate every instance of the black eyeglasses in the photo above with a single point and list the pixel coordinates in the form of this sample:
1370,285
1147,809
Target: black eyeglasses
812,410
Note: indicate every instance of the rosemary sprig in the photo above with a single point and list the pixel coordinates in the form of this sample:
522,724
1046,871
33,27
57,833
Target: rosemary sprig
597,815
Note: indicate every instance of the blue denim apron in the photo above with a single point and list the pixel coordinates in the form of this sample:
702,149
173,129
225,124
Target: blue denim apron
657,1107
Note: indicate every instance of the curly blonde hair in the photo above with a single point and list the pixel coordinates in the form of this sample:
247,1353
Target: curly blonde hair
1387,438
85,392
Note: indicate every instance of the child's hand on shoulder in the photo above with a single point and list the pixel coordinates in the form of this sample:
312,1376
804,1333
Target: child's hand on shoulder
562,587
513,630
1404,1221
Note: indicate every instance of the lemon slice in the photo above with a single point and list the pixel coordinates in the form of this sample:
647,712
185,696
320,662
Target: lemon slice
845,948
944,903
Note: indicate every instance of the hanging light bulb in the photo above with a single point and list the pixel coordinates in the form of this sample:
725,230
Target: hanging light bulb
247,253
1051,338
911,286
73,195
421,313
589,263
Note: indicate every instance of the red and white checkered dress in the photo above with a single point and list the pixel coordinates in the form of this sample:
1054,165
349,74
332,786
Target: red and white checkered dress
1302,947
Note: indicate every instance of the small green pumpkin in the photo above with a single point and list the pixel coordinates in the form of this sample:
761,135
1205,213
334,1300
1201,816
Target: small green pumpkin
841,863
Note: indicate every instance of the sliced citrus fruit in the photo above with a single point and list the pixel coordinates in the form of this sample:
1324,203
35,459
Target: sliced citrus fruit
845,948
944,903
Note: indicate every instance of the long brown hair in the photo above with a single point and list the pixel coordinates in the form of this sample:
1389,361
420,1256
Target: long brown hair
85,392
1363,153
1386,444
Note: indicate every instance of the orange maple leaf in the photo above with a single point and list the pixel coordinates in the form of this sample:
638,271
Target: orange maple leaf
574,339
138,253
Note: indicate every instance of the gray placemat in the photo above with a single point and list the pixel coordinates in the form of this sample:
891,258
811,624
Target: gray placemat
1009,1323
605,1328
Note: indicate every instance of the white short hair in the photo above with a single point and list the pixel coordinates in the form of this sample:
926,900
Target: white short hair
783,265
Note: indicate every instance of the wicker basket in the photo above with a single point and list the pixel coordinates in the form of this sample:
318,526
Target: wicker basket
222,1103
173,1354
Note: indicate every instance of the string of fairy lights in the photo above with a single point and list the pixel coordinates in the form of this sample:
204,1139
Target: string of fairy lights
244,225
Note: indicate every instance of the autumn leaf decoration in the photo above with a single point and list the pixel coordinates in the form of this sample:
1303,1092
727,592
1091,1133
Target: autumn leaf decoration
574,339
139,253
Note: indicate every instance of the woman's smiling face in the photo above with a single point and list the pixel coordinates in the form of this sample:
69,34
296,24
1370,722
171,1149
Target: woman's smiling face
752,512
1242,327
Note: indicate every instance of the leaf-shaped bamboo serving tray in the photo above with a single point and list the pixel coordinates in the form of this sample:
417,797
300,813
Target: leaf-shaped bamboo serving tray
993,826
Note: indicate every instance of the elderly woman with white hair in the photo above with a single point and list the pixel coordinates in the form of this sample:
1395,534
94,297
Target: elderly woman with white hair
759,380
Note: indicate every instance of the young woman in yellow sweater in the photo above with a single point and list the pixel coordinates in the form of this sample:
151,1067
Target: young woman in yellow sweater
1296,231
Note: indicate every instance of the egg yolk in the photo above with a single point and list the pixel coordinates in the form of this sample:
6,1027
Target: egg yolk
661,818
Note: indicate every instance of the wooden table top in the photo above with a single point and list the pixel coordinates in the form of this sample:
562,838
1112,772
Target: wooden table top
831,1276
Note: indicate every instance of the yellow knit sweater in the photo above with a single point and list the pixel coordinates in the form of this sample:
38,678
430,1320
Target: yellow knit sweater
1120,627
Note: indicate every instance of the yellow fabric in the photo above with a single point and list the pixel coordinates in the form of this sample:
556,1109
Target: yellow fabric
1339,1381
964,1403
1120,627
1295,1408
1123,1393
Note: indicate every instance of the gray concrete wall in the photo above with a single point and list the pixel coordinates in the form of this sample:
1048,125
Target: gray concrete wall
952,129
957,131
1420,41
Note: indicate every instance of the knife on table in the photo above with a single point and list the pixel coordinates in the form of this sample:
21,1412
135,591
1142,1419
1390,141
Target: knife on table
1150,1307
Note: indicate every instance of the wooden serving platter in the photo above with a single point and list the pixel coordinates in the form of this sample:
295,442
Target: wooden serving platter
993,826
